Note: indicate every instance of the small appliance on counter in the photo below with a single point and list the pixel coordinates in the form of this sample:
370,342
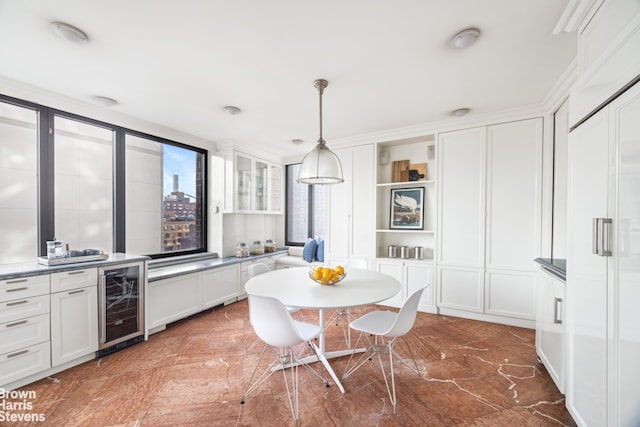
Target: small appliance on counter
56,255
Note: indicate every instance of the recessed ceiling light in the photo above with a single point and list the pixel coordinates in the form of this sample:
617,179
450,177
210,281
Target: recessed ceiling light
464,38
297,141
231,110
69,32
460,112
104,101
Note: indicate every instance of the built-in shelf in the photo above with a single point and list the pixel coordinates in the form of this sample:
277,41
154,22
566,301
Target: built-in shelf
406,183
386,230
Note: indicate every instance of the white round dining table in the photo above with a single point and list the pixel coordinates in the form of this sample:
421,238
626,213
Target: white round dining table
294,288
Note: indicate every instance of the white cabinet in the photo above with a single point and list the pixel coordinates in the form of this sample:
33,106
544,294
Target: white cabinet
174,299
24,327
550,326
603,257
350,219
220,286
489,219
257,186
74,314
412,276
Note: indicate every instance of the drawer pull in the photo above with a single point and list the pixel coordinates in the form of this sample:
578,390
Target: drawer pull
21,322
17,289
11,304
77,291
17,353
76,272
11,282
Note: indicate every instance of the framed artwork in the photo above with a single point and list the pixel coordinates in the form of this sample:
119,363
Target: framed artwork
407,209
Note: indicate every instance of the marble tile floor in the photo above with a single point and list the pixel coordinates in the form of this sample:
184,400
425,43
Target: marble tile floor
193,374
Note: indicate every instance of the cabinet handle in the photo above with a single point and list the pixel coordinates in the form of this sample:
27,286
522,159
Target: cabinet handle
21,322
606,236
75,272
594,235
17,289
102,327
77,291
11,304
11,282
18,353
557,310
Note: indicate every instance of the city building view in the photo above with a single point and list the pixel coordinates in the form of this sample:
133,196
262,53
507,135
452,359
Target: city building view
178,220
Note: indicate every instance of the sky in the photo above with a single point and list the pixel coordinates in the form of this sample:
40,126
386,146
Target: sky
181,162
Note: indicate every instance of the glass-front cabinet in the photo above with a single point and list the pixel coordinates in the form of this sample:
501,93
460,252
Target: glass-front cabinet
257,185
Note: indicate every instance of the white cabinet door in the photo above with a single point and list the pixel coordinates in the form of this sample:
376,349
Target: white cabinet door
550,327
461,226
417,275
393,269
625,115
461,197
588,178
412,276
174,299
220,285
351,209
74,324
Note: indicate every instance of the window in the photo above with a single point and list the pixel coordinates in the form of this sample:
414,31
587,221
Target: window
83,184
95,185
19,178
163,192
306,209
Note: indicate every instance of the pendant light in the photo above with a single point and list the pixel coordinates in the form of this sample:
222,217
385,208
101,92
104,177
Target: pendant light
320,165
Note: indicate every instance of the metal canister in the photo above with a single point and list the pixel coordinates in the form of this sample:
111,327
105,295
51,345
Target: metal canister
404,251
418,252
393,251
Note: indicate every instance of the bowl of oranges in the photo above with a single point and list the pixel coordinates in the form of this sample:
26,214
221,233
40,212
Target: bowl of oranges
327,275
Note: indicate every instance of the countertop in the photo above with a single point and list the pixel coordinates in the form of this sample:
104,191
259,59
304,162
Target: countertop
171,267
157,269
555,266
26,269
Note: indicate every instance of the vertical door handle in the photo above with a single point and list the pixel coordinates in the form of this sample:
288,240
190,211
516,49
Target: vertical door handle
594,235
605,236
102,315
557,310
601,236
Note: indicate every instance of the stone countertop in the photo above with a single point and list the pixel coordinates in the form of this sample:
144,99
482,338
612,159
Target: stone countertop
26,269
171,267
555,266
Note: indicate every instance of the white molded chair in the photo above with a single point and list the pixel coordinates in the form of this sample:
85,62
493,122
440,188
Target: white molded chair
343,313
260,268
386,327
273,324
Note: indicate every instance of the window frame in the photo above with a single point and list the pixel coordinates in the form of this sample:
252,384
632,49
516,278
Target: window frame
46,172
310,208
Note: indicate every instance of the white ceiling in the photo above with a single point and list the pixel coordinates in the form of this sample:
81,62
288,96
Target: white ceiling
178,63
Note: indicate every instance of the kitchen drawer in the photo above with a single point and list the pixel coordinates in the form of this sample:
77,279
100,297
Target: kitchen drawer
23,333
24,307
68,280
14,289
22,363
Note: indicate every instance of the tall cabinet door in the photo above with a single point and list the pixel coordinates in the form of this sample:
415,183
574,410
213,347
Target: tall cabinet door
513,199
351,209
626,353
461,224
587,294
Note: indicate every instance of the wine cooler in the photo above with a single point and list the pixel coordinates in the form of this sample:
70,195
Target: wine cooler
120,306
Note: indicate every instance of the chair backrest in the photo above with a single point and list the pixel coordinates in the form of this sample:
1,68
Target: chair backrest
407,315
356,263
257,268
272,322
